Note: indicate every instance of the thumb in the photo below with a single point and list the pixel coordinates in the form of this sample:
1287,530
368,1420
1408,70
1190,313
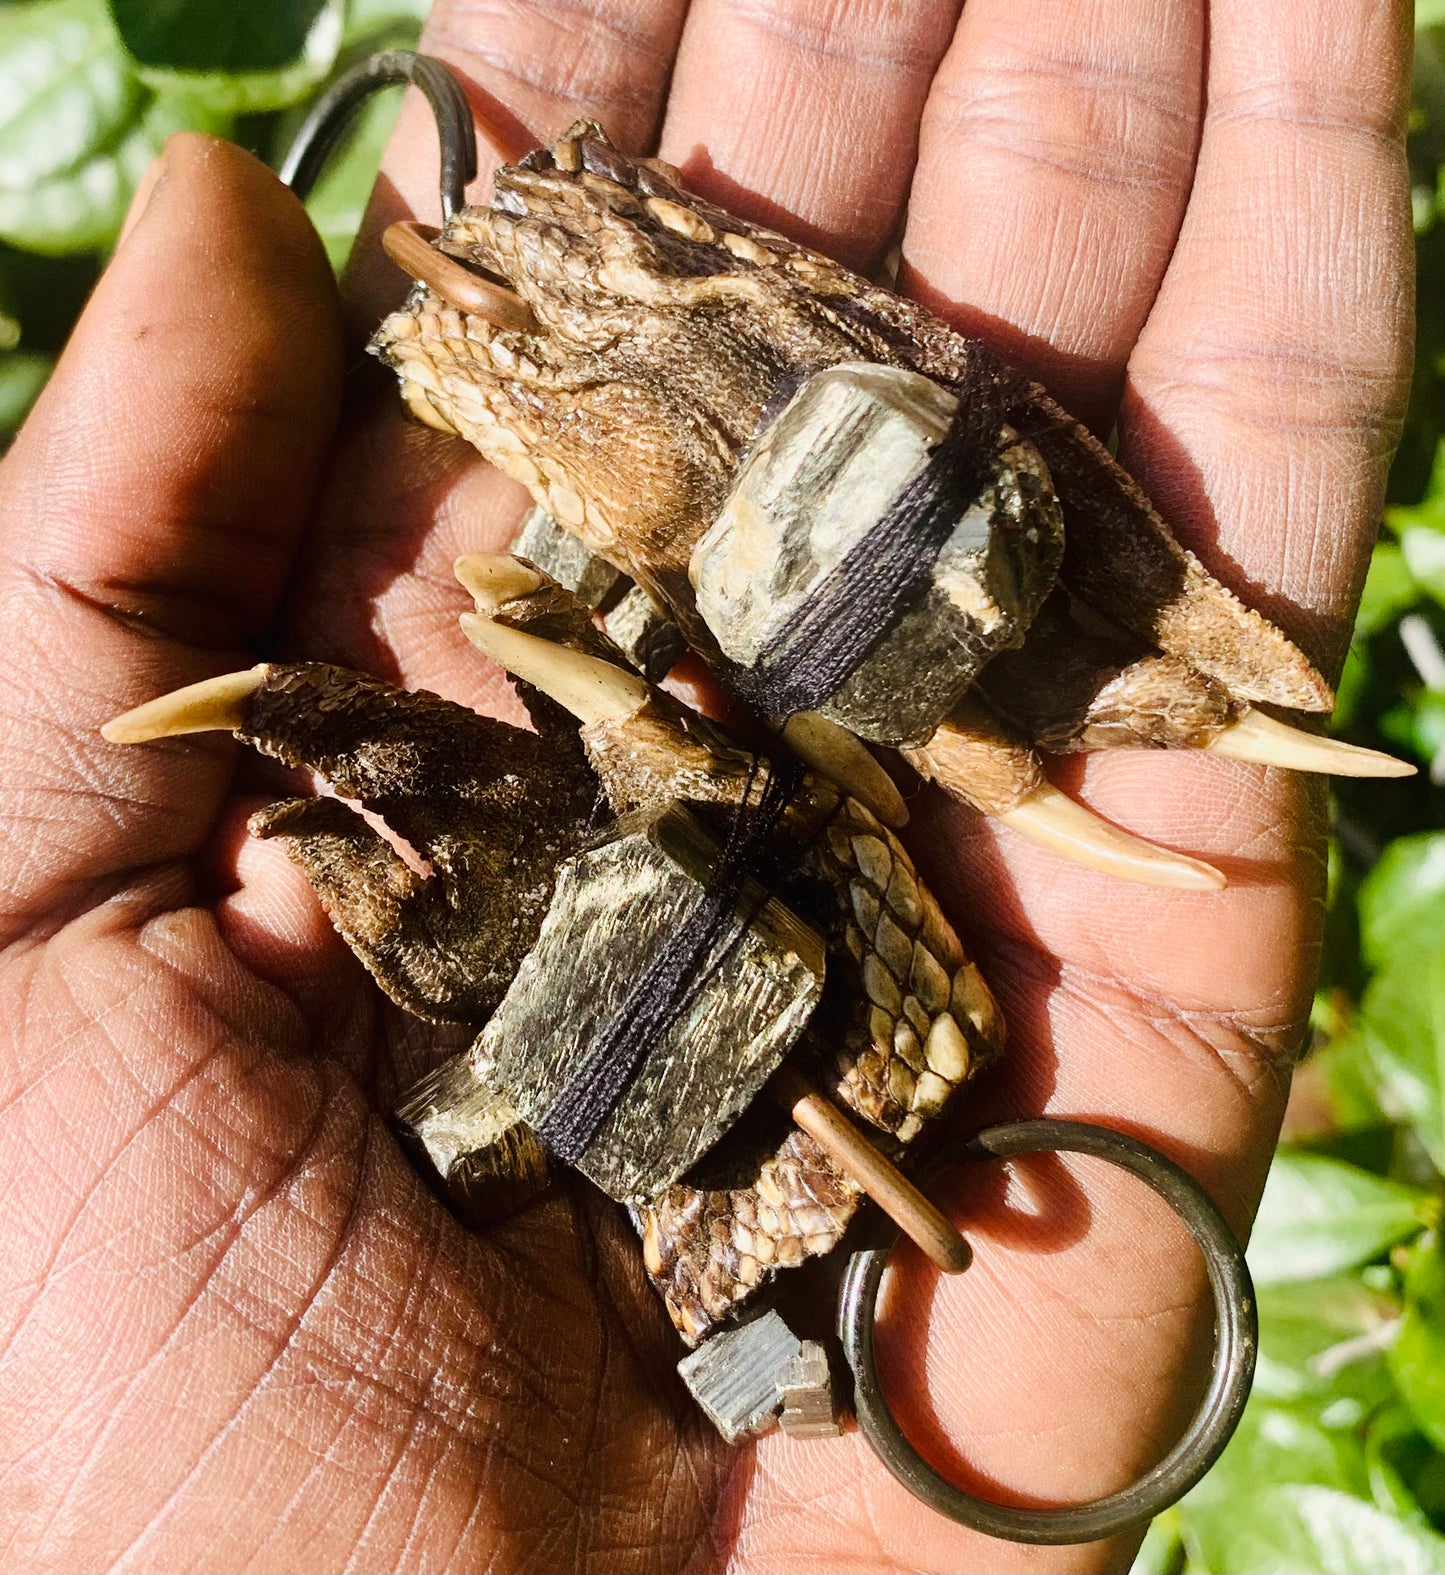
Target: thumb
149,514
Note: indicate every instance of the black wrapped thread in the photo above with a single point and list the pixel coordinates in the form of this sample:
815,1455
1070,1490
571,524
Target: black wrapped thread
673,979
887,572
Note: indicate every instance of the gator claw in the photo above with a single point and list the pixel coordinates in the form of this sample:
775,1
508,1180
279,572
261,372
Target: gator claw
491,808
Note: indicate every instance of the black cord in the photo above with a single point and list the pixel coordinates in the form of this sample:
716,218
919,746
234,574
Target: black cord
324,126
676,974
887,571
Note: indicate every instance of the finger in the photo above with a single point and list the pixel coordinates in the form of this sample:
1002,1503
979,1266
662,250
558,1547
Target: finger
804,117
1266,392
150,509
1053,165
529,71
272,923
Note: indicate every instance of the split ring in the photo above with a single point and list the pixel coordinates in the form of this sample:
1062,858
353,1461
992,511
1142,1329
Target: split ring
1236,1341
323,127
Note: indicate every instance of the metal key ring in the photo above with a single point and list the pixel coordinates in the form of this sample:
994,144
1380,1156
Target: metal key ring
1235,1347
323,127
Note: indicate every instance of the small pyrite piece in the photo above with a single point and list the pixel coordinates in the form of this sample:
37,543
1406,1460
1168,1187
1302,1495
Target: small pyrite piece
737,1375
640,629
561,556
615,908
820,479
644,634
808,1410
486,1157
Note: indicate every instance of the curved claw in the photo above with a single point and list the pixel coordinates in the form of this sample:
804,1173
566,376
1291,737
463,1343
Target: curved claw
835,753
1267,742
976,758
591,689
496,578
212,705
492,578
1064,826
493,810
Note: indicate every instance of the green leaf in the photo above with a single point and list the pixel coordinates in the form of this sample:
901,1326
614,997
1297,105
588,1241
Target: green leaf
1419,724
244,91
1280,1443
1417,1357
216,35
364,17
83,209
1402,900
1423,549
66,88
1324,1340
1319,1216
1390,589
1429,13
1403,1015
1162,1551
1310,1530
22,376
1429,512
1347,1072
1273,1444
1391,1439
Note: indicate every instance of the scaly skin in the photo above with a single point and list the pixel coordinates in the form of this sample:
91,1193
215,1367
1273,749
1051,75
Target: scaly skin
239,1332
493,810
665,324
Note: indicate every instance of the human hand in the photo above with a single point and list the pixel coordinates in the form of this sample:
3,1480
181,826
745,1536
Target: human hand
237,1330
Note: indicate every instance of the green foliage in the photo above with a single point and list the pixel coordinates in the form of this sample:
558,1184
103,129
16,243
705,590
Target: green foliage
230,61
1287,1528
66,89
1320,1215
89,91
200,35
22,376
1417,1355
1339,1464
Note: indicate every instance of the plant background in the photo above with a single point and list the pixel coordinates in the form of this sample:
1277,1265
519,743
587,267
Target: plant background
1339,1465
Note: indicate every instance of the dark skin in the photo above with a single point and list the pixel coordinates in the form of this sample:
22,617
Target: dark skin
237,1329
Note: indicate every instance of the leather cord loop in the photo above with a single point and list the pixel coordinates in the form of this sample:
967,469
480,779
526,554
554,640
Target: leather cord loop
1235,1347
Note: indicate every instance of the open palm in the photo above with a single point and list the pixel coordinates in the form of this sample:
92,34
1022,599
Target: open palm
235,1329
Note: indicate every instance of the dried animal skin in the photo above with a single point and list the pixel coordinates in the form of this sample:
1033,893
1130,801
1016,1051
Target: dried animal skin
909,982
916,1018
708,1249
919,1017
1067,690
489,807
664,327
495,810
